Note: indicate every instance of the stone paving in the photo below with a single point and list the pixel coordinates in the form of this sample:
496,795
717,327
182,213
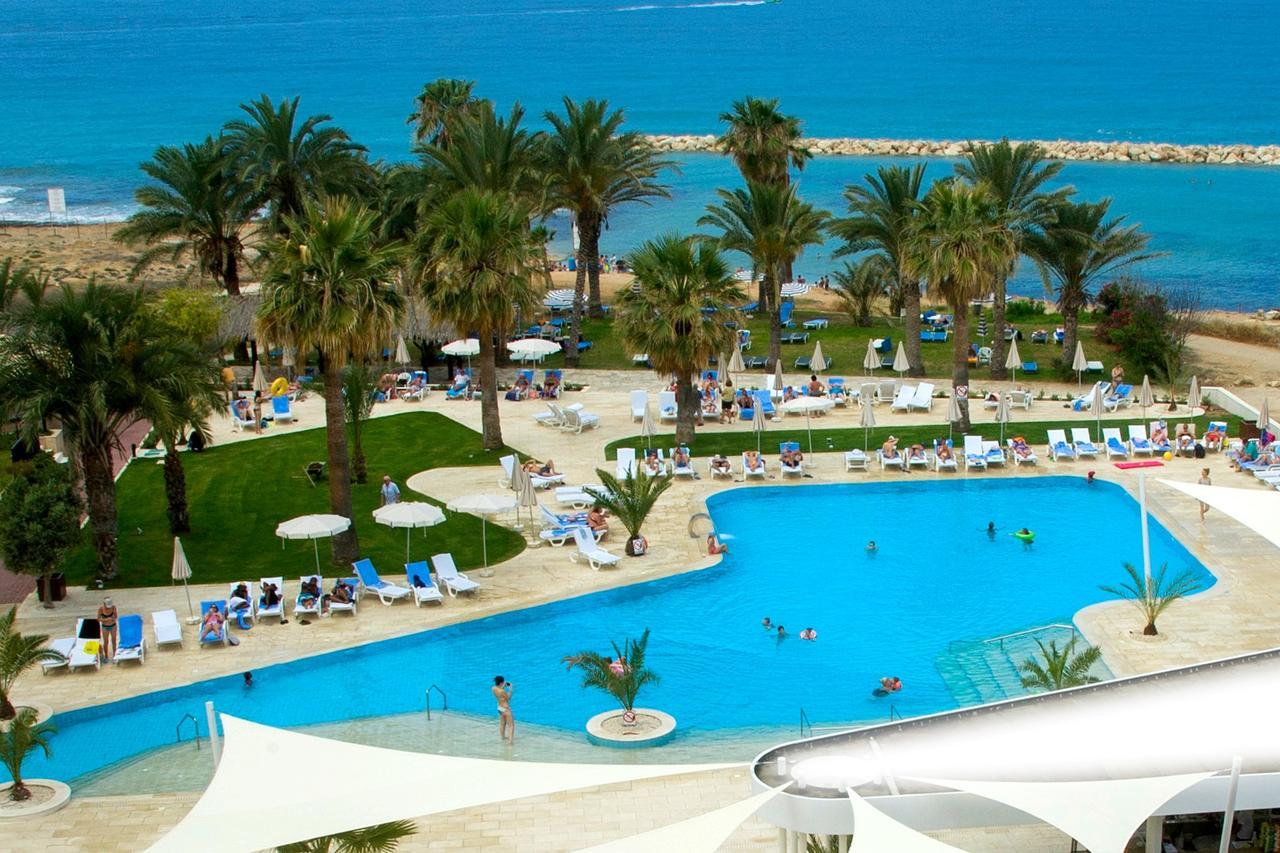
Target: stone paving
1234,617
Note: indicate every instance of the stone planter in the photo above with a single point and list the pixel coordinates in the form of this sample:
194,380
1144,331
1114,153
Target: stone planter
615,729
47,796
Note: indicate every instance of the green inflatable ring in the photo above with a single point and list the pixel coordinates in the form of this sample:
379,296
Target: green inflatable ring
1029,536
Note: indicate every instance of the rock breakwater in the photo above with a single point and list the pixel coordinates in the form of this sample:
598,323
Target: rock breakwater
1062,149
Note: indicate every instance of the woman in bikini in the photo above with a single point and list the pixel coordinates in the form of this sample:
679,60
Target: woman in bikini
501,691
107,618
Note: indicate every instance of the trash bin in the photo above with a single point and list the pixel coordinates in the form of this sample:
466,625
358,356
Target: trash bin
57,586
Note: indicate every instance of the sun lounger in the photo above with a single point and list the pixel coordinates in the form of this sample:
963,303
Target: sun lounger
975,455
576,420
244,613
837,392
1059,448
855,460
370,581
262,609
448,576
351,606
310,606
130,643
238,423
557,519
816,323
595,556
1159,446
1119,397
1218,428
552,417
219,639
896,461
886,390
995,456
1094,367
758,471
666,405
166,628
784,468
626,464
280,410
947,464
1083,442
784,314
903,399
1029,459
1139,444
639,403
540,481
685,470
1022,399
916,460
63,647
923,398
575,497
424,588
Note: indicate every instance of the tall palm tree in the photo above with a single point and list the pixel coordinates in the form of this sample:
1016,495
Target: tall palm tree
772,226
880,222
359,384
479,264
1076,251
197,206
958,244
1016,177
593,168
1059,668
486,152
676,312
328,288
92,359
18,653
1154,595
288,160
379,838
439,105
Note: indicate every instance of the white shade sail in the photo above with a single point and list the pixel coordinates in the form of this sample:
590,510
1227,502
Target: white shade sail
1255,508
533,346
1102,815
274,786
879,833
467,347
900,362
872,359
702,834
817,363
312,526
409,514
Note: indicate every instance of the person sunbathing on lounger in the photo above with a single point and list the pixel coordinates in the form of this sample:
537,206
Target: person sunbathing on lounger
270,595
815,387
545,469
597,521
890,447
720,464
652,464
1160,435
789,394
310,591
680,458
753,461
1186,438
239,598
916,453
1020,447
551,387
211,625
944,452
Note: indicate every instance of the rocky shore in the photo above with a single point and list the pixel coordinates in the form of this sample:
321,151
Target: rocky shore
1062,149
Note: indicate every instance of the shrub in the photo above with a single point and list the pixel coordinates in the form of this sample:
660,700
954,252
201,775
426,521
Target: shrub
1024,310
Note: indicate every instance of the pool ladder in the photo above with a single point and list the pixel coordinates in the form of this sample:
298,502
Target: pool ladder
195,726
444,699
807,726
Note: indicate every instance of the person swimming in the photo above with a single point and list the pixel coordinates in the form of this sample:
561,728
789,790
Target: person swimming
808,634
871,547
889,684
991,530
767,623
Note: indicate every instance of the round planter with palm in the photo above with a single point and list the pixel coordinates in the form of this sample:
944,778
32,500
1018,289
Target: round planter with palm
629,500
621,676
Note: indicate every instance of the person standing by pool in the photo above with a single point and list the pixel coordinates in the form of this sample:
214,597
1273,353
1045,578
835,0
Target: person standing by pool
1204,481
506,720
107,618
390,491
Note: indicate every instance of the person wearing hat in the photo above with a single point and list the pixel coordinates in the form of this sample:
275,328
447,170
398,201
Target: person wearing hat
107,618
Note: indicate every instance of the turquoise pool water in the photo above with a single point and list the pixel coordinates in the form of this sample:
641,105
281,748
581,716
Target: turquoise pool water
798,556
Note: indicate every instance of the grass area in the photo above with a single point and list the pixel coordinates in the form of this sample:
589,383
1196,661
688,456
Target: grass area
239,492
732,444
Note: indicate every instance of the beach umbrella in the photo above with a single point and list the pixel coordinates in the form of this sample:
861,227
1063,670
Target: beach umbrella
872,359
526,496
483,506
259,377
777,375
757,422
794,288
520,479
1079,363
313,527
182,572
868,418
735,362
817,363
900,363
647,428
808,405
402,351
1097,405
464,347
533,346
1193,396
1003,413
953,413
1013,361
1145,398
1264,416
746,275
409,515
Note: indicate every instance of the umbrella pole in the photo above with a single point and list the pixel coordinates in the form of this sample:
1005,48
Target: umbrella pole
407,531
484,539
191,613
315,546
809,428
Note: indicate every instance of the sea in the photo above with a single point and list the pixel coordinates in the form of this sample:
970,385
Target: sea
89,88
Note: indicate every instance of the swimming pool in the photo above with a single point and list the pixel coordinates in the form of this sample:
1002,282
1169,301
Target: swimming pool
797,555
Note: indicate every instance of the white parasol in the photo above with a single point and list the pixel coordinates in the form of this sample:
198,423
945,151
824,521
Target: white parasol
259,377
1264,416
409,515
808,405
900,363
953,413
1003,414
817,363
735,362
1145,397
534,347
466,346
1193,396
182,572
402,351
1013,361
1097,405
1079,363
868,417
647,428
313,527
872,359
757,421
794,288
484,506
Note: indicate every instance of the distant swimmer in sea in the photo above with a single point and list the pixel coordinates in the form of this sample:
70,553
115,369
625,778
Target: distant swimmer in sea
1025,535
767,623
991,530
888,684
871,547
808,634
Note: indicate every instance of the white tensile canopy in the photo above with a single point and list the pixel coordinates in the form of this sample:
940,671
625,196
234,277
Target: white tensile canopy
1255,508
273,787
879,833
701,834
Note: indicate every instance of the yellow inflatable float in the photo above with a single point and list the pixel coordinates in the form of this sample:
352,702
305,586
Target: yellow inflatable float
280,387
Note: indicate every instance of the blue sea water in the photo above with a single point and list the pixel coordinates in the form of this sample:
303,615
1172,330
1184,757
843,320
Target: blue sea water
89,88
797,556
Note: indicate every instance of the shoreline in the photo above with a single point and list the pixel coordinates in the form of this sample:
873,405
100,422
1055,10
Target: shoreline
1060,149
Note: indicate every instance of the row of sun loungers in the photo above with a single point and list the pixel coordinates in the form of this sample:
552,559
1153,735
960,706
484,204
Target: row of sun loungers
572,418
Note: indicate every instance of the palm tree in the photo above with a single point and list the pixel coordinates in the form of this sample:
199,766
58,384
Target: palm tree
593,168
1060,668
359,384
622,676
882,213
630,499
1076,250
327,288
859,284
676,312
958,244
18,653
485,152
288,162
379,838
772,226
764,144
439,105
197,206
20,279
1015,176
23,736
93,359
480,263
1153,596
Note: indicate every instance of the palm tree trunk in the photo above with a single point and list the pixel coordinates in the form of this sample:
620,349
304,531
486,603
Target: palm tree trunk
490,421
100,495
587,259
359,465
960,364
911,327
998,348
231,274
346,545
1070,308
589,234
687,408
775,321
175,490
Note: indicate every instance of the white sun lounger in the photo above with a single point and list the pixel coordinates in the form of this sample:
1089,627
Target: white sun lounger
785,469
1083,442
903,399
540,481
250,611
312,607
1114,444
132,645
552,417
63,647
855,460
1029,459
80,657
448,576
576,420
666,405
995,456
576,496
347,606
921,461
975,455
758,471
886,389
685,470
424,588
166,628
899,461
1139,444
923,399
263,609
371,581
595,556
940,464
639,403
1059,447
727,471
626,465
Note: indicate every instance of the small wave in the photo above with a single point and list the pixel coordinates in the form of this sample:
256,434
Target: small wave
5,188
5,199
648,7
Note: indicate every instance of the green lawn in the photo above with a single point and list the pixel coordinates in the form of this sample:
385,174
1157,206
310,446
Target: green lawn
734,443
239,492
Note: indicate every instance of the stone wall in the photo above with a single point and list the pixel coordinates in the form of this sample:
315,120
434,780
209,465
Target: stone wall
1062,149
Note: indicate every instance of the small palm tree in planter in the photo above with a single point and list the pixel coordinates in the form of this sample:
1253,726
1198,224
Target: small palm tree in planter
1153,596
621,676
18,653
23,736
1059,668
630,500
